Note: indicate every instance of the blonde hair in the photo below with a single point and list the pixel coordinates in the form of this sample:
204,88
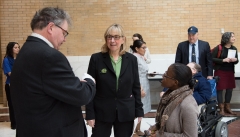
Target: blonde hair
119,29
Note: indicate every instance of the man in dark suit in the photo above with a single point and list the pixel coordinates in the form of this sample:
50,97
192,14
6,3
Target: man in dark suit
46,95
195,50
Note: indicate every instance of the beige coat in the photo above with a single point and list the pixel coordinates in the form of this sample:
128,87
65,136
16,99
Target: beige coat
183,120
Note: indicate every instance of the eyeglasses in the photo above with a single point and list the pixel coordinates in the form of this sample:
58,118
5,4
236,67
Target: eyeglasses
165,75
115,37
143,47
65,33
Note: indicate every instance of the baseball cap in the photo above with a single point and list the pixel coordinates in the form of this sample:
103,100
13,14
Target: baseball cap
192,30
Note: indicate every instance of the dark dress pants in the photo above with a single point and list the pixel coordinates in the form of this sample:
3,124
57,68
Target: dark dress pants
121,129
10,106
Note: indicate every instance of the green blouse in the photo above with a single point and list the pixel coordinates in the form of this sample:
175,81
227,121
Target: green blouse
117,67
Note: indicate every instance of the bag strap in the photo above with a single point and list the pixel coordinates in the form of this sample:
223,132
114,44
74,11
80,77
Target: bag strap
219,50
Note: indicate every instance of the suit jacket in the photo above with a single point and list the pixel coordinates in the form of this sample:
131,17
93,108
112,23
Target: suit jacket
46,95
205,56
126,100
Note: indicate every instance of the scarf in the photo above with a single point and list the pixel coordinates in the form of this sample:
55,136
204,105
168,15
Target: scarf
169,101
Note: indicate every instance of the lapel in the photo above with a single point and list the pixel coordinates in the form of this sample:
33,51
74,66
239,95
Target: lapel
200,49
125,62
187,51
107,61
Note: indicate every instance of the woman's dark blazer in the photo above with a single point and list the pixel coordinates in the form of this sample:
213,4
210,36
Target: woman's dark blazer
219,61
109,100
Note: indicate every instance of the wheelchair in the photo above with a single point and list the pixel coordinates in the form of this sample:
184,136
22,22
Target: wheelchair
209,120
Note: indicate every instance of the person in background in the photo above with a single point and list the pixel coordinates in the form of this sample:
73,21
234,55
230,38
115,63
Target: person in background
177,111
118,97
9,58
146,56
139,49
202,90
224,68
46,95
195,50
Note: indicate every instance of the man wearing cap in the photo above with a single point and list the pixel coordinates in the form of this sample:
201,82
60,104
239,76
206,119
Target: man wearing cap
195,50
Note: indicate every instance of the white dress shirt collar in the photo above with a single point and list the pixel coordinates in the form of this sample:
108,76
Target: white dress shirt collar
42,38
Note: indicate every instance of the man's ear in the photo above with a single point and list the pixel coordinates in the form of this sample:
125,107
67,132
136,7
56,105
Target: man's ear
49,27
195,71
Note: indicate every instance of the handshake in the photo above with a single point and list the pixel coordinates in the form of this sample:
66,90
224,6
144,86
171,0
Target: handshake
85,75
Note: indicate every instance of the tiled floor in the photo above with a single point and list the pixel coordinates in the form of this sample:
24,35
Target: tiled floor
233,128
5,130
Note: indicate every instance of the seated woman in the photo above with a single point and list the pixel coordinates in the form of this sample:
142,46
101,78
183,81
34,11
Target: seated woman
202,90
177,111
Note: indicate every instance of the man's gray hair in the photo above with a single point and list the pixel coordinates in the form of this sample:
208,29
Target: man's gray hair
49,14
197,67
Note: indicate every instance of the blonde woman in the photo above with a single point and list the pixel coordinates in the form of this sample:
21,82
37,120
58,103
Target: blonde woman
118,97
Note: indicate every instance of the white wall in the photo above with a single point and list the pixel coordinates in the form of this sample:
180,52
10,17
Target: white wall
159,63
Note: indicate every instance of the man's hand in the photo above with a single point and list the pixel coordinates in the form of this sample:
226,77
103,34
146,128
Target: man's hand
85,75
209,77
91,123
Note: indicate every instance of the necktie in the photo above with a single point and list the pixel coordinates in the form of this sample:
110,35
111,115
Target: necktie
193,53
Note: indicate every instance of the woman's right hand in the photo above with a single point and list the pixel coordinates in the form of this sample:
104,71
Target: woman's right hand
143,93
91,123
233,59
227,60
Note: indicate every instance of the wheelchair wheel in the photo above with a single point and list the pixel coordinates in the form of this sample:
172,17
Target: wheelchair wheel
221,129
